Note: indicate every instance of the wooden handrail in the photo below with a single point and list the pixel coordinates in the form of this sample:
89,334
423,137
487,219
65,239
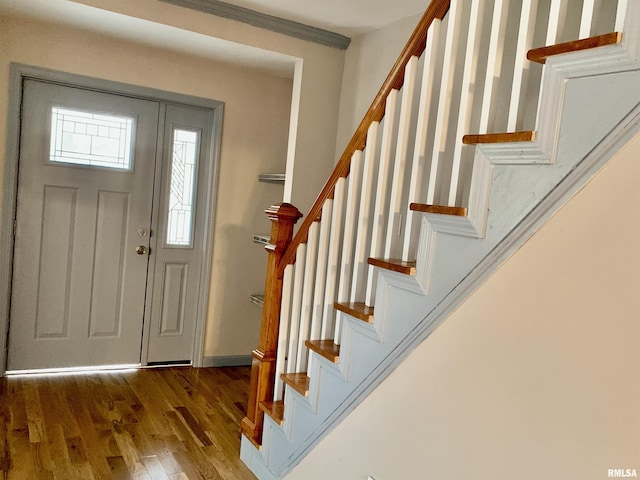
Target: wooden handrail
437,9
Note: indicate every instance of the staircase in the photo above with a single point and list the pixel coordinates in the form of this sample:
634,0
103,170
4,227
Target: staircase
476,137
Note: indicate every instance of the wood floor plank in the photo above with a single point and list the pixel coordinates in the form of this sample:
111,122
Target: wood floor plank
154,400
155,468
194,426
56,397
92,439
174,423
33,408
5,453
60,463
91,388
83,470
21,457
179,476
76,450
41,462
194,451
119,468
170,464
189,469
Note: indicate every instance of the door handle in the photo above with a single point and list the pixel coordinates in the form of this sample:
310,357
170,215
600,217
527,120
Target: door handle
141,250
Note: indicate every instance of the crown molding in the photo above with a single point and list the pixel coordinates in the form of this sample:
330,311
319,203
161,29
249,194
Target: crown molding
268,22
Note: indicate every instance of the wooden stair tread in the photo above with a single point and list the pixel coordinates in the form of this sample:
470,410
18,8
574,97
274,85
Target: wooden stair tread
394,264
475,139
541,54
358,310
327,348
439,209
275,410
298,381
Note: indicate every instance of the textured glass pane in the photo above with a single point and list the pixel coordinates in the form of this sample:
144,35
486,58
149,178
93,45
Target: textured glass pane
181,194
92,139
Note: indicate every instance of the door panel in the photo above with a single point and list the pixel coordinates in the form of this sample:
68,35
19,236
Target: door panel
58,227
105,318
78,289
173,299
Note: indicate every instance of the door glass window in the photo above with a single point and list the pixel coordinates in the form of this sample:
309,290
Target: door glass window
91,139
181,191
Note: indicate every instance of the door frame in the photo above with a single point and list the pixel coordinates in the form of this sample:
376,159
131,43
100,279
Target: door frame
20,72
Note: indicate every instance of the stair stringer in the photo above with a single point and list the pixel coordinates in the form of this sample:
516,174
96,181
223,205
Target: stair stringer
588,135
363,346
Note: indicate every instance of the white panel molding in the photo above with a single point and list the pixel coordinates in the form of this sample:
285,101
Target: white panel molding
55,270
515,153
474,225
105,314
174,293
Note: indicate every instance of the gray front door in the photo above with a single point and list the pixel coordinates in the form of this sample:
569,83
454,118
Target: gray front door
112,201
85,196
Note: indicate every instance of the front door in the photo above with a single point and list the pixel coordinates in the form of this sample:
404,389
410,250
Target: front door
85,197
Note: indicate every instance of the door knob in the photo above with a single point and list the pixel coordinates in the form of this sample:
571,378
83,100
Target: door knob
141,249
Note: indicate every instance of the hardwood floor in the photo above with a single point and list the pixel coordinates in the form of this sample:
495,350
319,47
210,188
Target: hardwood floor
166,423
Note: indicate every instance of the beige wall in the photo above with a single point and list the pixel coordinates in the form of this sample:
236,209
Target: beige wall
534,377
312,149
367,63
254,140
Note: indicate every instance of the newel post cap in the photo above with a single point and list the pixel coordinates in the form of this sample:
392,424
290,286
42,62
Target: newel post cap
283,212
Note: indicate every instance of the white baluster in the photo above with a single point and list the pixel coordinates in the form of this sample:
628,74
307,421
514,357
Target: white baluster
496,42
307,295
418,165
621,12
364,220
333,260
465,101
404,149
554,22
321,270
525,36
283,335
586,18
350,225
439,140
379,222
296,309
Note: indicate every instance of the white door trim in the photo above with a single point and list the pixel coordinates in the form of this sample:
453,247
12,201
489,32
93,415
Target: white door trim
18,73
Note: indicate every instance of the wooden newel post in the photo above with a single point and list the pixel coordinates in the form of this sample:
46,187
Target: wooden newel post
283,217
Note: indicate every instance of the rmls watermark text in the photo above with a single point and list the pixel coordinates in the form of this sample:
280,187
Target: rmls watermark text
622,473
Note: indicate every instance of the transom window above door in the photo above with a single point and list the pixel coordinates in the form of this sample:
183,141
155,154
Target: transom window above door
91,139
